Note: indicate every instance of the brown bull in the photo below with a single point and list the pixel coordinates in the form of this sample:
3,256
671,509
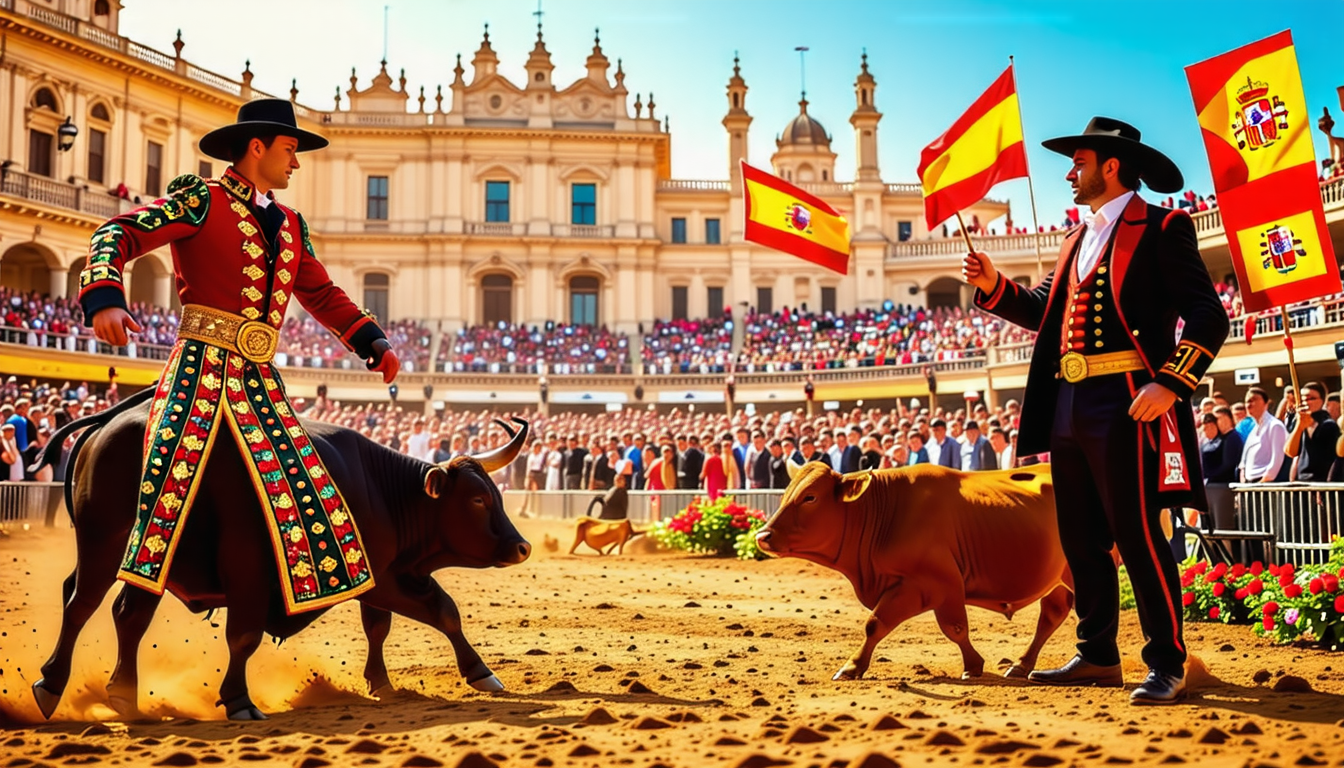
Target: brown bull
603,535
930,538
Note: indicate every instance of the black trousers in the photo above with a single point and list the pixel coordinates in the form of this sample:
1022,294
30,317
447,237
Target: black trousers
1104,467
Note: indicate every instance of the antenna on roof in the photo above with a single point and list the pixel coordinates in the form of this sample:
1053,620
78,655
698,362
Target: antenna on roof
385,7
538,14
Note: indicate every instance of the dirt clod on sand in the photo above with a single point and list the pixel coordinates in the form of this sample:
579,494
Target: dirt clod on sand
622,673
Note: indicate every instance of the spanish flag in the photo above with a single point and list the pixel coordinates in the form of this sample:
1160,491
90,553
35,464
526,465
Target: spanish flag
784,217
981,149
1254,120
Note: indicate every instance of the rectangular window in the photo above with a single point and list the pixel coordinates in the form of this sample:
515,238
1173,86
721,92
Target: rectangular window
496,201
904,230
97,155
715,299
205,169
827,299
765,300
679,302
377,208
154,169
39,153
712,231
584,204
678,230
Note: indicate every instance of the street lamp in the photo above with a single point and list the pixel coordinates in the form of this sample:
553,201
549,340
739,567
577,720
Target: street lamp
66,135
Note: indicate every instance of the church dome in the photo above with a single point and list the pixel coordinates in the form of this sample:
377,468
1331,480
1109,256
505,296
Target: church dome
804,129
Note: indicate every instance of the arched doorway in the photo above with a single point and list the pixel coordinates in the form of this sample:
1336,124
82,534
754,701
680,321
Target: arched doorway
944,292
72,280
583,306
145,274
27,267
496,299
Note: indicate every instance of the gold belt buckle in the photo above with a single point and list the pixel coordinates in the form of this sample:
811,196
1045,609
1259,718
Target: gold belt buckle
1073,367
257,341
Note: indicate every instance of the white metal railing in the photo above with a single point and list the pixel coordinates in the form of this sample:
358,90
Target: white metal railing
27,503
497,228
1303,518
693,185
904,188
206,77
582,230
827,187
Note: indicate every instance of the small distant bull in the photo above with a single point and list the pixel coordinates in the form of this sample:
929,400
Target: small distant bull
930,538
603,535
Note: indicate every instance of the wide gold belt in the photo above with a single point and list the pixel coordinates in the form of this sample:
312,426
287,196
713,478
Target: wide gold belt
1074,367
253,339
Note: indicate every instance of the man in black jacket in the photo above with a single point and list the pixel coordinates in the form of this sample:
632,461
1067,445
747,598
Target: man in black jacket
1108,393
690,460
849,460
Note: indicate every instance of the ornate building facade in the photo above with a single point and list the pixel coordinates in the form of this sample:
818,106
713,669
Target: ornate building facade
488,200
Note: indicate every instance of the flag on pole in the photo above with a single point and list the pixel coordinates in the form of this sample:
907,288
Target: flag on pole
981,149
1253,117
785,218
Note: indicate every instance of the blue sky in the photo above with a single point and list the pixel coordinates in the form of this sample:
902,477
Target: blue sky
931,60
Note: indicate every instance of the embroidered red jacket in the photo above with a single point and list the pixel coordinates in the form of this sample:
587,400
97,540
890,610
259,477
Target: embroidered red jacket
223,259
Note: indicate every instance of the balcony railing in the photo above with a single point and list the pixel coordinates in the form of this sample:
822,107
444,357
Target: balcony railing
582,230
41,189
497,228
693,185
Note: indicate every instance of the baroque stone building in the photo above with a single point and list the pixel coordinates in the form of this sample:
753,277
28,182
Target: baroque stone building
487,200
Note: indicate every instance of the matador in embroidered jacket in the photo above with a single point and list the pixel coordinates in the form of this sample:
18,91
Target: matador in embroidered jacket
239,258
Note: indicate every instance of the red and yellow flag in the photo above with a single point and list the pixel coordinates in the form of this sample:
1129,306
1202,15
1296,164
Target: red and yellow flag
784,217
981,149
1253,116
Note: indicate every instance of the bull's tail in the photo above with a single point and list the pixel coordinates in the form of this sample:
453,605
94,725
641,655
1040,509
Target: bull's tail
51,452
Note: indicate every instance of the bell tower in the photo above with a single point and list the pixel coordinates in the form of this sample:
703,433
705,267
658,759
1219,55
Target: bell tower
736,122
865,120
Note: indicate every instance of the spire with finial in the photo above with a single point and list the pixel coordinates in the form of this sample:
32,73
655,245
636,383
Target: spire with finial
651,117
354,81
865,87
597,61
247,74
294,90
178,45
639,107
402,82
539,66
666,125
338,98
485,63
620,78
422,99
457,71
438,100
737,89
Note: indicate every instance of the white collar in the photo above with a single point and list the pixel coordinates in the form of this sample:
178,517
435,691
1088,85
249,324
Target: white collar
262,201
1109,213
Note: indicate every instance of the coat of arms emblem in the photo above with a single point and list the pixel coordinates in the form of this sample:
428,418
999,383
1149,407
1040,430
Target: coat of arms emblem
1260,119
1281,249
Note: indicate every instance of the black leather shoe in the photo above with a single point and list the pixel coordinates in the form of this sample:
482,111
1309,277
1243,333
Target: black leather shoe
1080,671
1159,688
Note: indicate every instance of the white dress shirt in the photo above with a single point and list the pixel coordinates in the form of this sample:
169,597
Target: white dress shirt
1263,453
1098,232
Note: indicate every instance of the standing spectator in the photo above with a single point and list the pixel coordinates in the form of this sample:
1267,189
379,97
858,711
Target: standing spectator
810,452
574,460
943,450
712,475
779,464
1219,458
1312,442
1263,455
1332,406
417,444
604,469
536,467
18,416
740,449
555,460
976,453
10,454
667,469
635,455
918,453
1002,448
1244,422
760,462
753,453
836,451
692,462
853,454
872,457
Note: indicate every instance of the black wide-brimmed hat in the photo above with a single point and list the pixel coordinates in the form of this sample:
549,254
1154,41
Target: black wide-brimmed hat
263,117
1124,141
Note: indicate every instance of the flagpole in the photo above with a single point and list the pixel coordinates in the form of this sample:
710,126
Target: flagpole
1031,189
964,233
1288,343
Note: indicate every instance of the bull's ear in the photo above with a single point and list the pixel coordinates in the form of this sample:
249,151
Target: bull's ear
435,479
852,486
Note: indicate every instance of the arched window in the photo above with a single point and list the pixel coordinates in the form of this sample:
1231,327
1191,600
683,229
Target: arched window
496,299
99,112
583,300
735,104
375,294
45,99
101,8
824,176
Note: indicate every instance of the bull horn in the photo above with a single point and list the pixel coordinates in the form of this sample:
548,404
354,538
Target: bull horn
507,427
793,467
505,454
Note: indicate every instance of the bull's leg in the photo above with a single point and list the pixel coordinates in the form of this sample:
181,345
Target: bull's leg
578,539
83,590
896,605
132,613
421,599
377,624
1054,608
951,617
243,630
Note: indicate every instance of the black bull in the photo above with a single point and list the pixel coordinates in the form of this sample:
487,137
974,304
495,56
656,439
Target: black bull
414,518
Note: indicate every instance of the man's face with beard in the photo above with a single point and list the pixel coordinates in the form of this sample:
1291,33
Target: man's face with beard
1086,177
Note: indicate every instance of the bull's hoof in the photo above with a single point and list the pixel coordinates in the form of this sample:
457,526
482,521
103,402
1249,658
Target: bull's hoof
971,674
46,700
382,692
124,707
847,673
242,708
488,684
1017,672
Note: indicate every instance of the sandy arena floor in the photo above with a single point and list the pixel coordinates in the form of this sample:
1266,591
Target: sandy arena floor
644,660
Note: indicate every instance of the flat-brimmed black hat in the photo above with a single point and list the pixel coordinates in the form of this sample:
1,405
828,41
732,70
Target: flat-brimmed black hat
263,117
1124,141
